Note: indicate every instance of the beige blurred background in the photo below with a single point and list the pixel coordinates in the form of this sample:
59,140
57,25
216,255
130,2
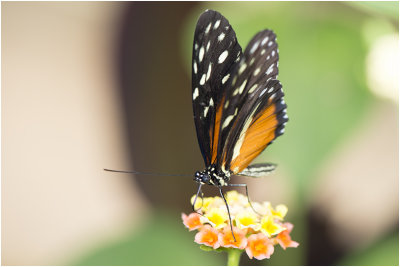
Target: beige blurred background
62,124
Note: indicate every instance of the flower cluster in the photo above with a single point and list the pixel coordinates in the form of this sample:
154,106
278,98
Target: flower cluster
256,231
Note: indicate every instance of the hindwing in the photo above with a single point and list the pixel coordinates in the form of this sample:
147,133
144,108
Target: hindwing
254,112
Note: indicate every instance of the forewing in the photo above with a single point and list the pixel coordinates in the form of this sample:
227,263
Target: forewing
215,54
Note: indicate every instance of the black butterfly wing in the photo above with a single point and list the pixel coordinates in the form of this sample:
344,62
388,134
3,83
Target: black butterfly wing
215,54
254,112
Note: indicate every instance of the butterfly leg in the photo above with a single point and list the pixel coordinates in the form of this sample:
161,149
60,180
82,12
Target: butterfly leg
247,195
195,199
229,213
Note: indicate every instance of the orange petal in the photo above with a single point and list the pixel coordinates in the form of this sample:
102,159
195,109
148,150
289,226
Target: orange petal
192,221
259,247
284,239
207,236
226,238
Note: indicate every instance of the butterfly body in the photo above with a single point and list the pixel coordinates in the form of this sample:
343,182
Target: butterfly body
212,176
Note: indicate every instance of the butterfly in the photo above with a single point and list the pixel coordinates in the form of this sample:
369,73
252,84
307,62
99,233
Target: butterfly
238,103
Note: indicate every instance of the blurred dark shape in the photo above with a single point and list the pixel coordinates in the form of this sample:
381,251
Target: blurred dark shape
322,250
156,101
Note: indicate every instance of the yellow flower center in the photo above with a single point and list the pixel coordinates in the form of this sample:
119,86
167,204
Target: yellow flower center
269,227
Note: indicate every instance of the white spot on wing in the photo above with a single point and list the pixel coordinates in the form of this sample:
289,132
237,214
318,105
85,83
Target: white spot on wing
211,102
242,86
201,54
257,71
227,121
234,80
208,28
209,72
273,53
263,92
221,36
208,45
242,68
216,25
252,89
194,67
270,90
223,56
265,40
205,111
203,79
263,52
270,69
254,47
195,93
270,43
252,61
226,104
225,78
238,57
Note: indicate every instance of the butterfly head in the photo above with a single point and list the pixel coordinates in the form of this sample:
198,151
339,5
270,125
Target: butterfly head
202,177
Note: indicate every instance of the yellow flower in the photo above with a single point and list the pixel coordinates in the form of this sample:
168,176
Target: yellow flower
269,227
233,197
198,204
213,202
246,219
280,211
267,208
202,203
217,217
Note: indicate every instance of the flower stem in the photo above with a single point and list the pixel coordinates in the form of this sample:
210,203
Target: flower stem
234,257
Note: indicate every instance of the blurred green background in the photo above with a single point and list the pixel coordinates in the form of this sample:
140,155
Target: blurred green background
338,158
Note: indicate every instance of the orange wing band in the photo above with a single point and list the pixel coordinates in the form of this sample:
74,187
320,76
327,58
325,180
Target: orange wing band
257,137
214,136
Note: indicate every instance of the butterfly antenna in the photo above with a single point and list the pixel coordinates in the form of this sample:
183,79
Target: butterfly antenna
229,213
146,173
